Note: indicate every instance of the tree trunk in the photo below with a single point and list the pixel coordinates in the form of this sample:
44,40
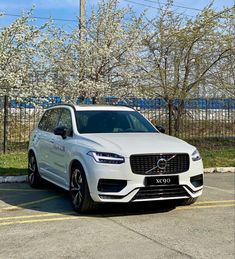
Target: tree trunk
178,117
170,111
94,100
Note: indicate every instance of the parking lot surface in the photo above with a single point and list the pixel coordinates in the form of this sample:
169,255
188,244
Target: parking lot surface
41,224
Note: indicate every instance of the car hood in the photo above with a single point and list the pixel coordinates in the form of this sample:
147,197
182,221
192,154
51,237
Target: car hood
126,144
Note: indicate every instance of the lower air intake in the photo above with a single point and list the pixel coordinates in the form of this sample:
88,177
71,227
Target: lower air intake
160,192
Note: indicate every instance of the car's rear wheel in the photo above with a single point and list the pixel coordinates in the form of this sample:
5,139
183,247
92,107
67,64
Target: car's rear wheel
34,177
79,191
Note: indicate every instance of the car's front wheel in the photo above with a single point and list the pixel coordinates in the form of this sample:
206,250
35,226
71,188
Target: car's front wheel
188,201
79,191
34,177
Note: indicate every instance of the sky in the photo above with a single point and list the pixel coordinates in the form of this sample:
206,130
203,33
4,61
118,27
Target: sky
69,9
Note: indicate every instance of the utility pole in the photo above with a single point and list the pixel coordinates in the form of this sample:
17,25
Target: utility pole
82,18
81,36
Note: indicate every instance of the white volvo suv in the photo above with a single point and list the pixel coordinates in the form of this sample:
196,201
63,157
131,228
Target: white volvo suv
111,154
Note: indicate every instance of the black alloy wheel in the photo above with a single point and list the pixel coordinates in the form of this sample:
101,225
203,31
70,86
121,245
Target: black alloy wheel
34,177
188,201
79,191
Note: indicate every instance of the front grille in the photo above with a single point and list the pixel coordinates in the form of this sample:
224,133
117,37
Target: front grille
160,192
142,164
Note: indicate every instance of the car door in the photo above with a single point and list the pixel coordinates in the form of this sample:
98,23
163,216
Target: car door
46,139
59,155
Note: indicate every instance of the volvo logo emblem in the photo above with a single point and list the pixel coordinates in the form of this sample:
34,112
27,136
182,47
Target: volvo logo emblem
162,163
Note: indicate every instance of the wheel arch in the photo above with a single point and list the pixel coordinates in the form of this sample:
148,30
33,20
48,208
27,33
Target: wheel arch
73,163
78,162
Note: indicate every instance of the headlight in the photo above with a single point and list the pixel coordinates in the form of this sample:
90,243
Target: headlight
107,158
195,155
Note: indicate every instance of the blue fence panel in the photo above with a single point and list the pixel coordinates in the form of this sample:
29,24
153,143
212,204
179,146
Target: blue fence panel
159,103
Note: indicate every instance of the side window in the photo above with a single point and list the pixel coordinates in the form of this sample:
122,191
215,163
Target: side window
43,121
66,120
49,120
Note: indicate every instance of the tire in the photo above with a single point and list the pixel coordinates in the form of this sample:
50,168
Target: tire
186,202
79,191
34,177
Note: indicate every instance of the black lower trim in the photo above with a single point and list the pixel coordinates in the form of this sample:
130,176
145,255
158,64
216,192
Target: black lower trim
154,192
111,185
161,192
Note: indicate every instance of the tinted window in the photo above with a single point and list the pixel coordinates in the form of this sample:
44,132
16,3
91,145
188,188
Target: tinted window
49,120
66,120
112,122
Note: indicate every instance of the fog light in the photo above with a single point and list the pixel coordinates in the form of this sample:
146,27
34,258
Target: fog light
197,180
110,185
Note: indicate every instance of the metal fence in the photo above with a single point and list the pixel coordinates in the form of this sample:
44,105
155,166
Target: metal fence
199,118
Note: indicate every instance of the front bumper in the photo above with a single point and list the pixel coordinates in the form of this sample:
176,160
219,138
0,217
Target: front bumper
135,188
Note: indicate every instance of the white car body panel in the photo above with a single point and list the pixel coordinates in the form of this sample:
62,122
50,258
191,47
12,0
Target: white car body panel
54,157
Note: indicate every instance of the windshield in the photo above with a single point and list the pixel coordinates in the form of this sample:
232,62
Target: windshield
112,122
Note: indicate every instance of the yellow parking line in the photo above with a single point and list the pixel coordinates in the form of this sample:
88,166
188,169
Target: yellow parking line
39,215
82,217
72,212
40,220
219,201
18,206
205,207
76,216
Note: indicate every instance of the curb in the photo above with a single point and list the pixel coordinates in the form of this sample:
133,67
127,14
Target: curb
219,170
13,179
24,178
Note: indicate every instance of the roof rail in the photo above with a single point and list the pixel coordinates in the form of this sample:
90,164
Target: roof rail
63,104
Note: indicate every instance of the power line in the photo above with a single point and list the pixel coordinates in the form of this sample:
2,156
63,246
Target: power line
41,18
136,3
180,6
153,7
73,20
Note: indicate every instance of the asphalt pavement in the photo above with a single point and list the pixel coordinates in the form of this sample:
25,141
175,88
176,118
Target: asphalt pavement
41,224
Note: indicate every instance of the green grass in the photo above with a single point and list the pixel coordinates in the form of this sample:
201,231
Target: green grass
213,143
218,158
215,152
13,163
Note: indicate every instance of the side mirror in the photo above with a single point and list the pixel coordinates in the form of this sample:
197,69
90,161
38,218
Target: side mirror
61,131
160,128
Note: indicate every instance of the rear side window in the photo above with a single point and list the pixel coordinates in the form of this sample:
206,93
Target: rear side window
49,120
